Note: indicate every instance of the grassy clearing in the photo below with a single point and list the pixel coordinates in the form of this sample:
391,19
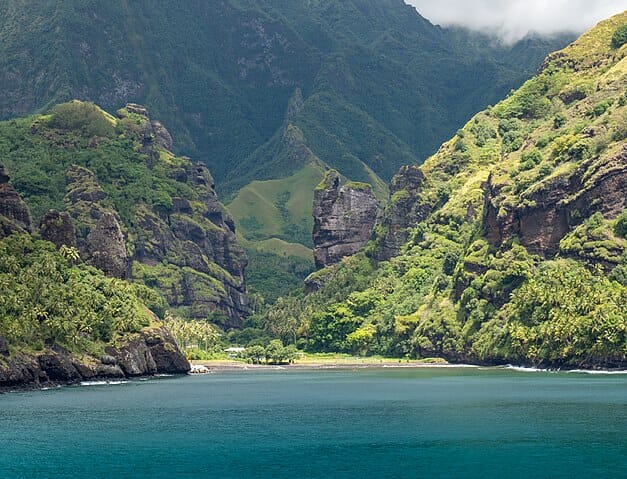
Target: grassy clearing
279,209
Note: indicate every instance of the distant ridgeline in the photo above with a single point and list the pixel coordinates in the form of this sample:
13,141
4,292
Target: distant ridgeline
508,245
266,93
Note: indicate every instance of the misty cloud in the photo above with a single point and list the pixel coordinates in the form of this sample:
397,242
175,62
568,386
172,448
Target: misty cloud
513,19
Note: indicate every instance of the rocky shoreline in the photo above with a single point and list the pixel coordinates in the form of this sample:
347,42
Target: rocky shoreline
150,352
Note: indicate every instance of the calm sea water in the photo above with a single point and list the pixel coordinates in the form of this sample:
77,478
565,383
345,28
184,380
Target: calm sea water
373,423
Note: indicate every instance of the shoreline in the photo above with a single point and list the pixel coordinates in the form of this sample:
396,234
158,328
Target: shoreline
210,366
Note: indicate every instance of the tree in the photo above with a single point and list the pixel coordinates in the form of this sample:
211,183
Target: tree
620,37
254,354
274,351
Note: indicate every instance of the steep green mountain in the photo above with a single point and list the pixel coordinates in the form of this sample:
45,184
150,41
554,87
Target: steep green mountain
220,73
368,85
110,187
507,245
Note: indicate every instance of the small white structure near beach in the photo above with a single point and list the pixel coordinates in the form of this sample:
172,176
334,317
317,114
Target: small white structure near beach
234,352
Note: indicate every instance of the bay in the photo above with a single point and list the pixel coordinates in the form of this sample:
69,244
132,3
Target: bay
331,423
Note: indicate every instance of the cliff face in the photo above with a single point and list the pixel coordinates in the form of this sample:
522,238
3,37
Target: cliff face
552,209
14,213
99,237
193,238
151,351
404,210
344,217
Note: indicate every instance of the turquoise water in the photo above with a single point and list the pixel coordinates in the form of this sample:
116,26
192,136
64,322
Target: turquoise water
374,423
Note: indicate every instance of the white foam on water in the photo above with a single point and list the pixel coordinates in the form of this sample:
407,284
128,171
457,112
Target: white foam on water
102,383
599,371
528,369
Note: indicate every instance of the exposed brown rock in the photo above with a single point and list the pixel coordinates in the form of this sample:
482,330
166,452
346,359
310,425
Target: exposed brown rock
14,213
546,214
151,351
58,367
344,217
148,352
199,238
58,228
99,237
403,211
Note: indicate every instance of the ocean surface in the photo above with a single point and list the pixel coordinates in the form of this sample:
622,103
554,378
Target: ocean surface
365,423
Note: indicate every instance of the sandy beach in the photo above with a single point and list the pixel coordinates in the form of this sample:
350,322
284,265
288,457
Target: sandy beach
323,363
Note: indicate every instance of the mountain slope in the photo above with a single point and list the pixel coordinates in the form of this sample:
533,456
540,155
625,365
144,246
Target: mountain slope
110,187
509,244
368,85
220,73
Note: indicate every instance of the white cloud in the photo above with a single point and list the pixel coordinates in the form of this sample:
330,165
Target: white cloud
513,19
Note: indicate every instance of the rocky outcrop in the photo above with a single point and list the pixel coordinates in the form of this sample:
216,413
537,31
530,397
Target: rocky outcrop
151,351
178,234
548,212
194,237
99,235
14,213
404,210
199,240
344,217
58,228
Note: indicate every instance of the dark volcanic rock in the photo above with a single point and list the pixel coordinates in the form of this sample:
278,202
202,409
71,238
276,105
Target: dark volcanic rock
4,346
20,370
344,217
151,351
134,358
165,352
58,367
99,235
58,228
403,211
201,238
550,211
107,249
148,352
14,213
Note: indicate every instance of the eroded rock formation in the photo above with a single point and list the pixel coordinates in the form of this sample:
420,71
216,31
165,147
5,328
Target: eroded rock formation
151,351
548,212
14,213
403,211
344,217
99,235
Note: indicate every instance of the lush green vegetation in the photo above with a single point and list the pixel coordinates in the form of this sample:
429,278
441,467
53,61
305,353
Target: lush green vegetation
37,151
270,274
140,180
50,297
265,90
620,36
455,291
381,85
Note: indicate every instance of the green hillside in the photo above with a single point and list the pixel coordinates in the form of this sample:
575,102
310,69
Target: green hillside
380,84
518,251
264,90
110,186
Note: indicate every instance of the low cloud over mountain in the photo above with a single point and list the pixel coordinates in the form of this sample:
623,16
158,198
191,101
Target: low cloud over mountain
513,19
